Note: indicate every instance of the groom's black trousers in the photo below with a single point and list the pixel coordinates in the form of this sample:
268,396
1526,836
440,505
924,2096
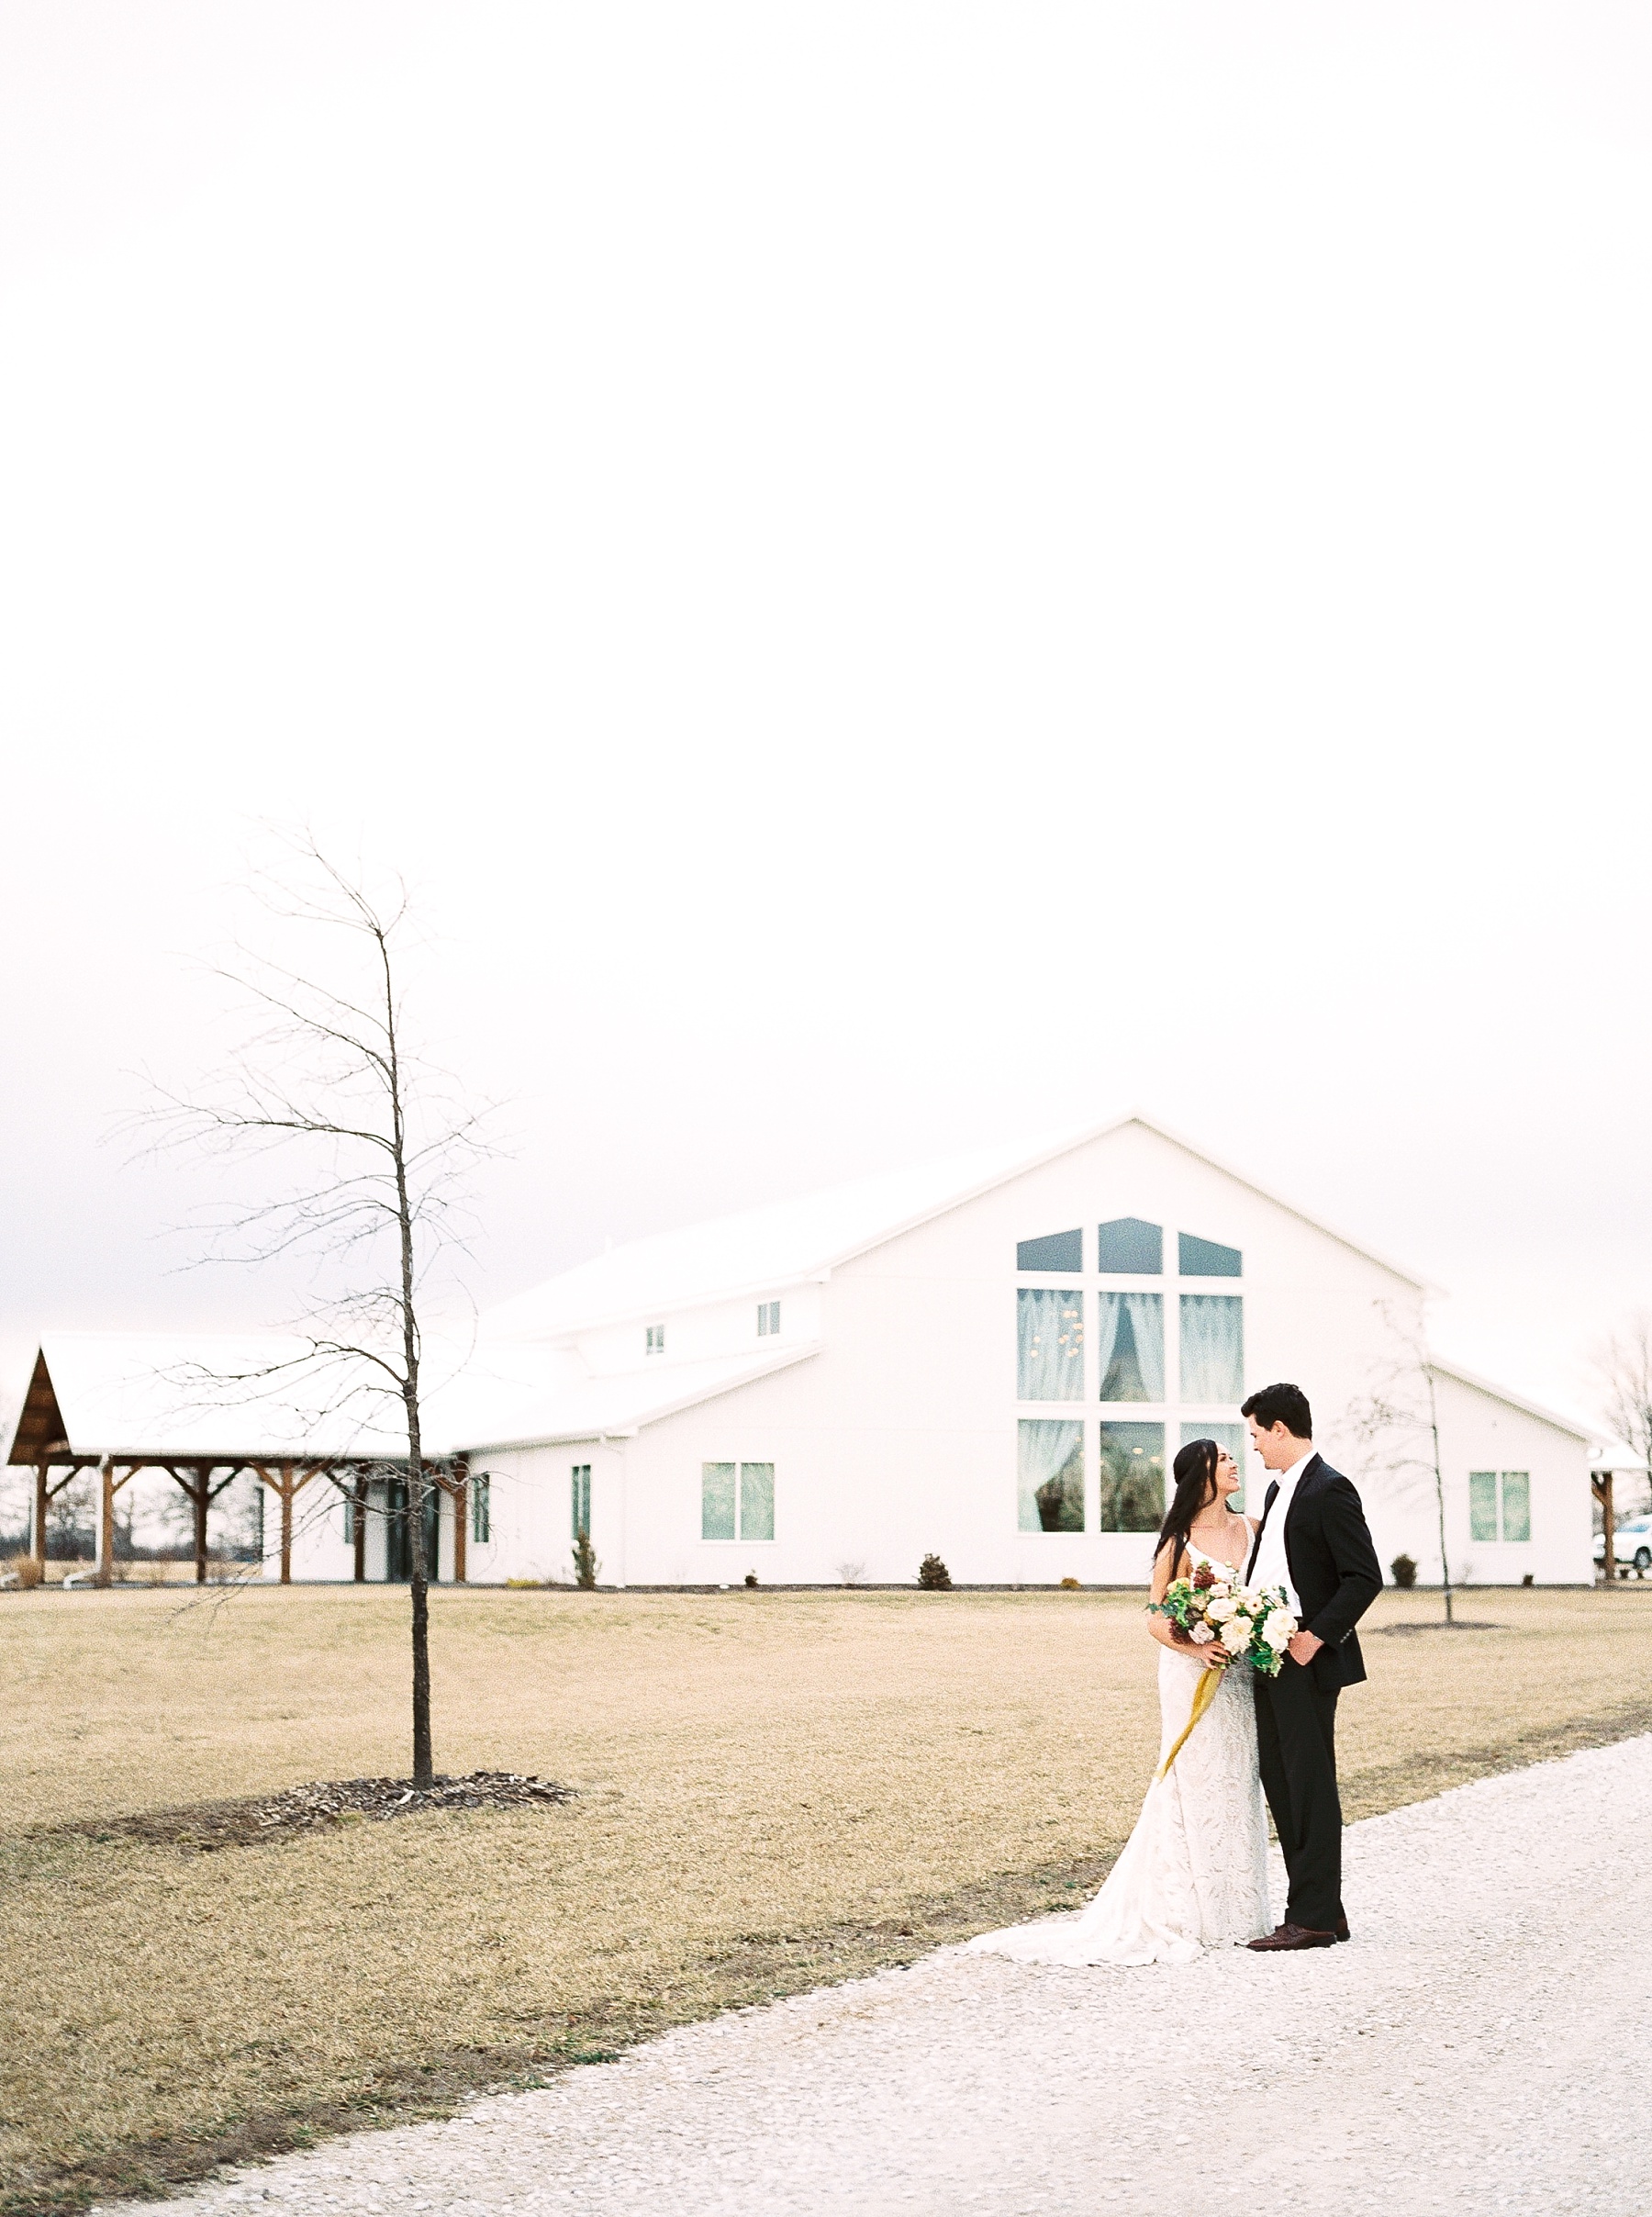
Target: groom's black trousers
1296,1738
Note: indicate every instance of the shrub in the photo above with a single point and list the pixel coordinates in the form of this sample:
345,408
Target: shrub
26,1568
933,1575
586,1565
1405,1571
1069,1586
751,1577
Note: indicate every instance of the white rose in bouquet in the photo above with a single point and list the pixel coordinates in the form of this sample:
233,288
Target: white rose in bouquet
1218,1611
1236,1635
1280,1630
1201,1635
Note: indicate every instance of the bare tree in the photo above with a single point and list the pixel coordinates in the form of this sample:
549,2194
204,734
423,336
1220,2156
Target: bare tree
381,1141
1623,1366
1398,1422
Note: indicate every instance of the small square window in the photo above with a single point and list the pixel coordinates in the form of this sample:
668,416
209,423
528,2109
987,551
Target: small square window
737,1500
768,1320
654,1343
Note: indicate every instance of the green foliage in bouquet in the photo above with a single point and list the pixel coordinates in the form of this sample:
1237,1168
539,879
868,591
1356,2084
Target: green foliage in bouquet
1247,1624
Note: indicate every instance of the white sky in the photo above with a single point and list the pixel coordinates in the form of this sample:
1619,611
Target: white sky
896,574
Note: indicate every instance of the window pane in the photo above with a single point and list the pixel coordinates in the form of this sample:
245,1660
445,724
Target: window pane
1482,1505
1050,1328
716,1501
480,1508
756,1501
1517,1505
1060,1251
579,1515
1051,1476
1130,1350
1131,1461
1204,1259
1128,1244
1213,1347
1235,1438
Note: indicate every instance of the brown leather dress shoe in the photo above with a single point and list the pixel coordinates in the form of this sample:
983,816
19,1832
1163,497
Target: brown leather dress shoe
1292,1936
1342,1929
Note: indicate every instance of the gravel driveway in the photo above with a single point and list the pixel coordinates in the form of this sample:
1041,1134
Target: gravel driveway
1484,2042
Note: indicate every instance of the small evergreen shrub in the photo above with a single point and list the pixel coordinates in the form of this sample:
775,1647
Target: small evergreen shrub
751,1577
586,1565
933,1575
1405,1573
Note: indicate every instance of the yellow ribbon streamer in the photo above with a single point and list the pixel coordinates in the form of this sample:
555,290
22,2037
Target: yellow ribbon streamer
1204,1692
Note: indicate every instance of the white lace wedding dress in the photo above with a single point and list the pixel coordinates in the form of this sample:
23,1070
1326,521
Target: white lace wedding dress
1194,1873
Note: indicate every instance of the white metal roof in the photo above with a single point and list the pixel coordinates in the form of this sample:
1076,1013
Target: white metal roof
237,1399
1516,1401
230,1397
761,1251
594,1408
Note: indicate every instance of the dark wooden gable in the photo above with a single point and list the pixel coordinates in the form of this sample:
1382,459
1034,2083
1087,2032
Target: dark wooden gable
40,1427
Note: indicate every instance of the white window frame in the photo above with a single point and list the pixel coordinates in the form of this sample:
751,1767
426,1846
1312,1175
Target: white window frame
1500,1477
739,1539
1172,1413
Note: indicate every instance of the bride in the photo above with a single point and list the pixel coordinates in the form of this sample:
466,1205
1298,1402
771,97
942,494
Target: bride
1195,1871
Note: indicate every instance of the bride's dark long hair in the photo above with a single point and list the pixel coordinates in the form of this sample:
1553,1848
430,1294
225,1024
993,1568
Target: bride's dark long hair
1194,1471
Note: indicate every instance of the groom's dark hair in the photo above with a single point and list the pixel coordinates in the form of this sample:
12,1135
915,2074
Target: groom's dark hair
1286,1405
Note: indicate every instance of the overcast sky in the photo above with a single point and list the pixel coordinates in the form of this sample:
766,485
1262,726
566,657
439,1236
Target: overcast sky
894,575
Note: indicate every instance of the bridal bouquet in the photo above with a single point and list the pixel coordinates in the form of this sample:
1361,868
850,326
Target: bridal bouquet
1245,1623
1249,1624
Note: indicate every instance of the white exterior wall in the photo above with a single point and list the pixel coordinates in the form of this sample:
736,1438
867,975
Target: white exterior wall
900,1436
721,1328
529,1510
1480,1432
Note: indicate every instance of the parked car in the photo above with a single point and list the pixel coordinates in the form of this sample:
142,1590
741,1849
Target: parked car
1631,1545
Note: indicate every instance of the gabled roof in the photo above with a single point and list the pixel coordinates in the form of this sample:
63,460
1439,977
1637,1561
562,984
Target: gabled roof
157,1393
1588,1433
761,1251
595,1408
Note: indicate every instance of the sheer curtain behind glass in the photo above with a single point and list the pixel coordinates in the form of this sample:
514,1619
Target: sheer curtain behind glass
1213,1347
1050,1332
1051,1475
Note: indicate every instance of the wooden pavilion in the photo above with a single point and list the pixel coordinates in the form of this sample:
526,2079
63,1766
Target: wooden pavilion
116,1423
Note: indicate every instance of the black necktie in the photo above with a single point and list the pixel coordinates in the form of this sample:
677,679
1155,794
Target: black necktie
1268,1499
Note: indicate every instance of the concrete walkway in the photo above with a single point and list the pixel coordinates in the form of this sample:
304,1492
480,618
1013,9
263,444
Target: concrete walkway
1483,2045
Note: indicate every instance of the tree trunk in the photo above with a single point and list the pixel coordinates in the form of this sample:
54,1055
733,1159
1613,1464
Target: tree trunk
287,1524
198,1495
359,1529
42,1502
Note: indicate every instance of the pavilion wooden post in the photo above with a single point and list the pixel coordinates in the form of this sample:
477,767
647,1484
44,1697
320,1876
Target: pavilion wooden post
360,1527
286,1481
1603,1494
42,1501
105,1522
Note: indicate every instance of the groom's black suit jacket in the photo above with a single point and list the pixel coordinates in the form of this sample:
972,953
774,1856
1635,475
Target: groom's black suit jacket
1333,1567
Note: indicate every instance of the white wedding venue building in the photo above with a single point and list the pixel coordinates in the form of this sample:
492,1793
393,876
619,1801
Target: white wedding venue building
993,1360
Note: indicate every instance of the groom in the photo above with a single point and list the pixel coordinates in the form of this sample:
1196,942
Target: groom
1314,1543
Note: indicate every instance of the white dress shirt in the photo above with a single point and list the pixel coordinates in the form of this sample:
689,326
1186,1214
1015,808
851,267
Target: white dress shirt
1271,1567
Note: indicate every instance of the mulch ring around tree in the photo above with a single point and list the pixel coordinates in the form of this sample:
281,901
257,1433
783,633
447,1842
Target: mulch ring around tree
208,1825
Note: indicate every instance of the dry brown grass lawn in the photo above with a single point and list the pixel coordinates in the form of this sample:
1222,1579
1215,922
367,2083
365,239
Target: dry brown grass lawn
774,1789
